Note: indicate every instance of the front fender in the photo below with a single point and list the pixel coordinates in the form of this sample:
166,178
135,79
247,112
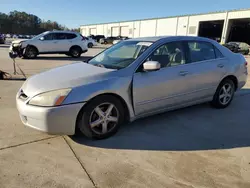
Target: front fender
120,86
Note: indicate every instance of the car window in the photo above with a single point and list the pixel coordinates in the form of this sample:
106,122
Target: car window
201,51
71,36
218,53
170,54
49,36
120,55
60,36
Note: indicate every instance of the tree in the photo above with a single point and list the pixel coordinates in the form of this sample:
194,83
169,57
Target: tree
23,23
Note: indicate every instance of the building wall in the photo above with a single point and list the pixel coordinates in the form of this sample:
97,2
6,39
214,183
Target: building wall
183,25
147,28
166,26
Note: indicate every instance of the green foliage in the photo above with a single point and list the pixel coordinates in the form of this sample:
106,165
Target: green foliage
28,24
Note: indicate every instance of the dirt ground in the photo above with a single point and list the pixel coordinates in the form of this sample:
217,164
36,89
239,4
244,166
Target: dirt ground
193,147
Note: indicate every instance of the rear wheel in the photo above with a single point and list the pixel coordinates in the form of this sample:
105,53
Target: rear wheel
101,118
30,52
75,52
224,94
90,45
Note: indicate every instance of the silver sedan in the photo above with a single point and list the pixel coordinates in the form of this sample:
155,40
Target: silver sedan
132,79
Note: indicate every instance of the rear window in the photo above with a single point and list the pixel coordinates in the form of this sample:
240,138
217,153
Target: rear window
71,36
201,51
60,36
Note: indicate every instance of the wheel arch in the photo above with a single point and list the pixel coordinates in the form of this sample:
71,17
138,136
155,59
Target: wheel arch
75,46
233,78
33,46
124,104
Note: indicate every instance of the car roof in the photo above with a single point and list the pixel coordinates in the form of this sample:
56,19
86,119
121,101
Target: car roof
154,39
60,31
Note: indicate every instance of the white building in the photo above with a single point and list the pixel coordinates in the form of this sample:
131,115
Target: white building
223,26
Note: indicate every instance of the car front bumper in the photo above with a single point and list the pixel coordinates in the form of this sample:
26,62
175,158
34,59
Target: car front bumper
59,120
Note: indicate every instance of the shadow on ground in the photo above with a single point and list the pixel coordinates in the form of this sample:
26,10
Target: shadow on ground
62,58
194,128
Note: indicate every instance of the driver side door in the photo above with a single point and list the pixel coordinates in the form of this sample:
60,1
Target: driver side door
45,45
165,88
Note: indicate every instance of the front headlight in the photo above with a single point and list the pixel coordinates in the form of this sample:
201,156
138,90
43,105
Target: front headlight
51,98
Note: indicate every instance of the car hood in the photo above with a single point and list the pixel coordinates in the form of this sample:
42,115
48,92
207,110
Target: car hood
18,41
67,76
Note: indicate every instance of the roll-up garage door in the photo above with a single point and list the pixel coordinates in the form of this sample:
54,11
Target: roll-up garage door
115,31
92,31
124,31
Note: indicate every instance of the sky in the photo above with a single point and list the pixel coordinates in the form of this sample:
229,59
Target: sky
74,13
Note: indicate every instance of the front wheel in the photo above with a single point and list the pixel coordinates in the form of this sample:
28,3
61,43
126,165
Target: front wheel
101,118
30,52
224,94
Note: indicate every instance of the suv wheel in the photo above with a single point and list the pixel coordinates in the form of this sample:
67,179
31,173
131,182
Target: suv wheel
90,45
30,52
75,52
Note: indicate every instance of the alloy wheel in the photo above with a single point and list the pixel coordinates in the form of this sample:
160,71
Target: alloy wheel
225,94
104,118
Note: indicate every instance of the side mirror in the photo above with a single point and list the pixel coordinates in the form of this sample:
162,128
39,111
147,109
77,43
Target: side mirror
151,66
42,38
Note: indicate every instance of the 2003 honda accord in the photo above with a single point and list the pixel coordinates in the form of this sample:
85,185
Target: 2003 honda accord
132,79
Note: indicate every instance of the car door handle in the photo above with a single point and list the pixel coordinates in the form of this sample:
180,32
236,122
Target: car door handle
220,65
183,73
55,42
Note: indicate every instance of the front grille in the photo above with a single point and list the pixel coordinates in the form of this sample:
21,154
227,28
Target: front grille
22,95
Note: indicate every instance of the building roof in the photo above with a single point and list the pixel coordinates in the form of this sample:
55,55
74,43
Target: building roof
223,11
156,38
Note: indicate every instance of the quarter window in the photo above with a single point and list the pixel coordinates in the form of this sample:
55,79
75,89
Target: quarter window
170,54
218,53
201,51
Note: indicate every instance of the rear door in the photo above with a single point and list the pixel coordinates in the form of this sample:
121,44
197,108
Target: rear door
61,43
206,67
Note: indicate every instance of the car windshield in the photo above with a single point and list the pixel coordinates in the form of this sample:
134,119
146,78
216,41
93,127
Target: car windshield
40,35
120,55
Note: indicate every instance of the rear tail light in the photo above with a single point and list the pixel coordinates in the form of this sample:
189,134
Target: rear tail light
246,64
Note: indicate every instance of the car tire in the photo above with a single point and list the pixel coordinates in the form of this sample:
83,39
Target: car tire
105,42
90,45
75,52
224,94
101,127
247,52
30,52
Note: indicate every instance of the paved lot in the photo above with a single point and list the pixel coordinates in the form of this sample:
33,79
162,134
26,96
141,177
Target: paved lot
194,147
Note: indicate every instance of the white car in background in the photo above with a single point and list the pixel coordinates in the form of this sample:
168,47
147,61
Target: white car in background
53,42
91,42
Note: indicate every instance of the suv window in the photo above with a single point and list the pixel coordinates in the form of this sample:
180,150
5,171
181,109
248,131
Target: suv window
60,36
71,36
201,51
170,54
49,36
